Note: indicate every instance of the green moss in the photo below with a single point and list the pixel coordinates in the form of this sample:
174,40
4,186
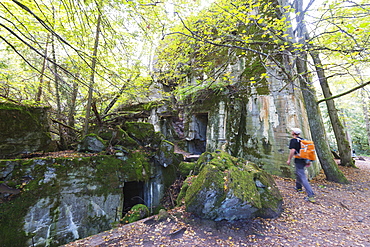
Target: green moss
169,175
183,190
117,137
222,160
270,195
11,230
144,133
11,233
106,134
99,175
186,167
100,170
156,210
211,179
96,136
9,106
286,172
137,212
241,184
16,122
136,167
223,177
143,106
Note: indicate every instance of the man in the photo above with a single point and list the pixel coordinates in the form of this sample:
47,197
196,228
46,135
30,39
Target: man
300,164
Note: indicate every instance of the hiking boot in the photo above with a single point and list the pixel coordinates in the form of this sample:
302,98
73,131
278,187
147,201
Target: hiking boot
299,190
310,199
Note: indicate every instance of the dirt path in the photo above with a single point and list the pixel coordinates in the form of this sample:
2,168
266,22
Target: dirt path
341,217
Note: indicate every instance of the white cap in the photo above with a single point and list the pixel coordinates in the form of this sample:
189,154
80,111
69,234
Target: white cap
297,131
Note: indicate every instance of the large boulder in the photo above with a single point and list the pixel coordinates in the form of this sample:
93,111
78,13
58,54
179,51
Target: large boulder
229,188
91,143
24,129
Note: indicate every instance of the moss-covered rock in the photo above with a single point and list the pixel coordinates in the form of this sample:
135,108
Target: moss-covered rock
23,129
184,188
185,168
92,143
137,212
162,215
205,195
229,188
220,159
165,154
116,136
143,133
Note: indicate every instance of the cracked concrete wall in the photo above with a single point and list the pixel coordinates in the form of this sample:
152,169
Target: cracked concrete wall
255,124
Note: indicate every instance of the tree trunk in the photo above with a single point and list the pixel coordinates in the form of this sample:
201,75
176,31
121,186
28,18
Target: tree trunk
71,113
366,115
315,121
318,133
62,142
72,105
343,145
93,65
41,83
111,104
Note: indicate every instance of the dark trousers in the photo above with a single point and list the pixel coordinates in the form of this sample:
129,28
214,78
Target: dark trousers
301,179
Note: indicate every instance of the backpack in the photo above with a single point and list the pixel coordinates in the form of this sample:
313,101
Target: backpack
307,150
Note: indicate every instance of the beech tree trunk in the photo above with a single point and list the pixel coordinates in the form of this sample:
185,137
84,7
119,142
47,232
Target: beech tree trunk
62,141
72,134
343,144
315,121
366,114
91,85
41,83
318,133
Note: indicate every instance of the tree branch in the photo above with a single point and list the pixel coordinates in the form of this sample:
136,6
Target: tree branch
64,125
344,93
39,53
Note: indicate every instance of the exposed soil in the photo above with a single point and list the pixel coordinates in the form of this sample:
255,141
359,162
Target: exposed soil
340,217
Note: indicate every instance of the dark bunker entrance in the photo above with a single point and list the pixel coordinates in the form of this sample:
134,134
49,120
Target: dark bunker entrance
198,144
133,193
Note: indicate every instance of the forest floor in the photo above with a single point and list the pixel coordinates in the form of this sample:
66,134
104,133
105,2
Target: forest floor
340,217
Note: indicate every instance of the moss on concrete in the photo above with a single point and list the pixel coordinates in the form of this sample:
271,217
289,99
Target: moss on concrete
117,137
143,133
183,190
23,129
106,172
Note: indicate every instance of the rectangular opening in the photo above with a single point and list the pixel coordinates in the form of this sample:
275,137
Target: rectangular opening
133,193
198,144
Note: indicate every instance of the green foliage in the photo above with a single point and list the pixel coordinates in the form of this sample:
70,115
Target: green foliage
65,30
198,53
196,49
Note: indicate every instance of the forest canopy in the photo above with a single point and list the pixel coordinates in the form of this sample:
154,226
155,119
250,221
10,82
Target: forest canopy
77,55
